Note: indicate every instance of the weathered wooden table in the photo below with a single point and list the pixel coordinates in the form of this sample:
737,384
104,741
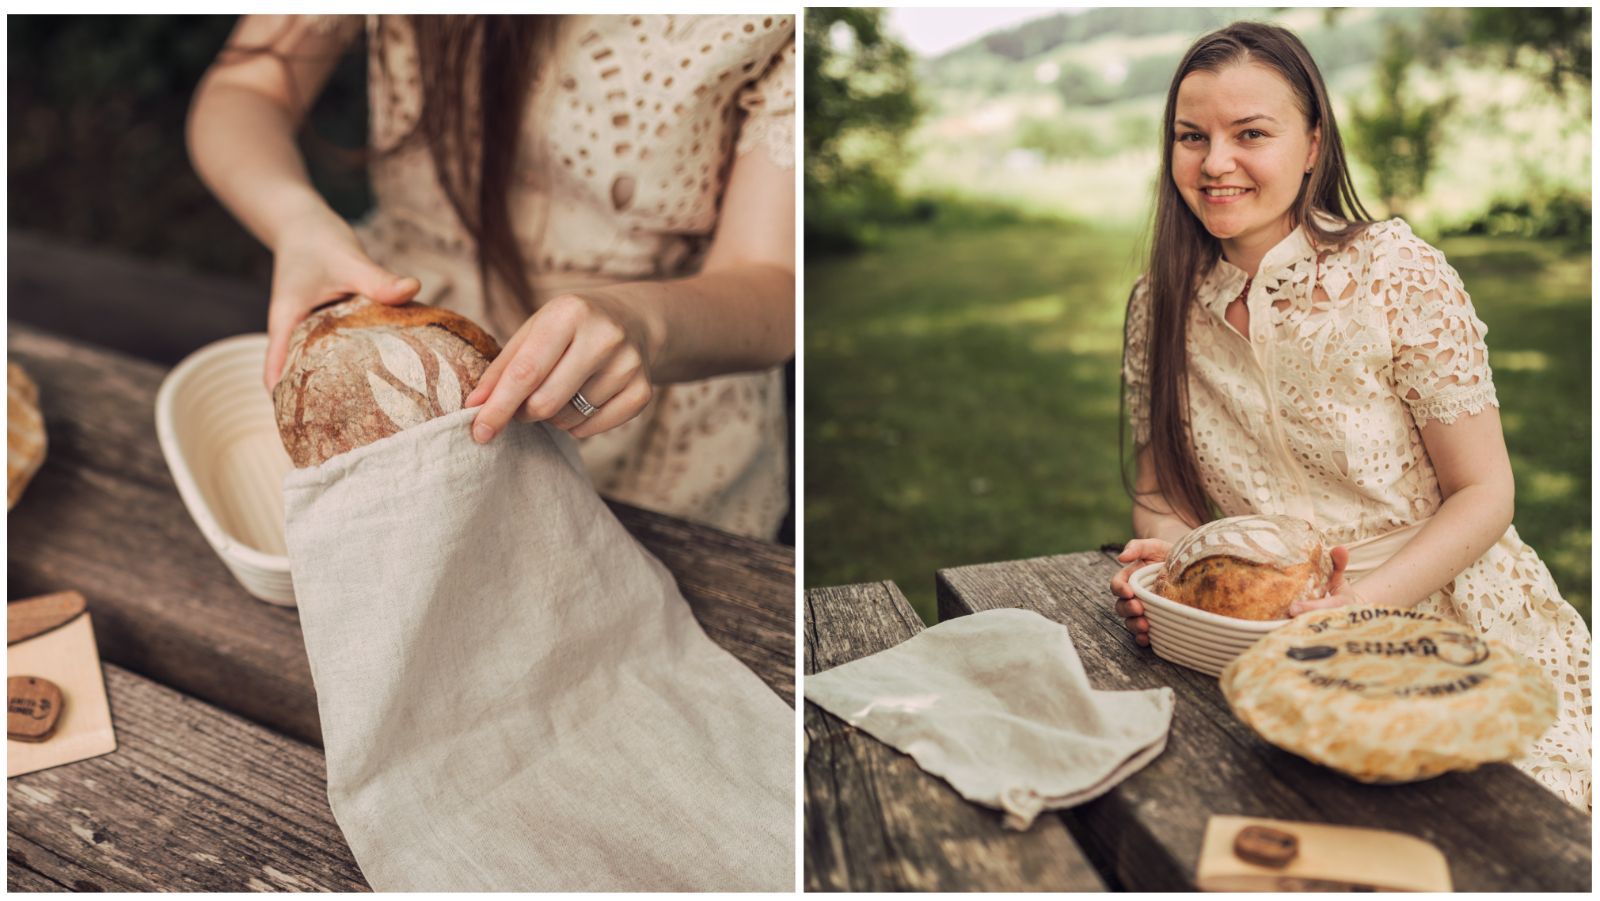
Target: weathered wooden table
875,821
218,780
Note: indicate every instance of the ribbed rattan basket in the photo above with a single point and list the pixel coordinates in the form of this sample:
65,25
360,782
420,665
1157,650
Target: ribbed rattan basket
216,426
1192,637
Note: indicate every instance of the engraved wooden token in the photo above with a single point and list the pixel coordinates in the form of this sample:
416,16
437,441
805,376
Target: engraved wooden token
1265,846
33,706
35,616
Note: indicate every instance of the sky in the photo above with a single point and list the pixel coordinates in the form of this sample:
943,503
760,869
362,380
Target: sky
929,32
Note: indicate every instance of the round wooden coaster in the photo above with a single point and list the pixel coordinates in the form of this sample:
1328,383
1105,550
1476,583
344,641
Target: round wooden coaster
33,706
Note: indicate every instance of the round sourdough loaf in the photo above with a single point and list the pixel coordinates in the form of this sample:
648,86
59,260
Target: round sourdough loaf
358,371
1389,695
25,441
1247,567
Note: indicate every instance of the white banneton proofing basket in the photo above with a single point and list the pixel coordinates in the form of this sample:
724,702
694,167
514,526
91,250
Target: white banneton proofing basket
1192,637
220,437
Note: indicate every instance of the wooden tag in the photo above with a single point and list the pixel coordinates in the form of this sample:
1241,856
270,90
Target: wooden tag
33,705
1266,846
1325,858
35,616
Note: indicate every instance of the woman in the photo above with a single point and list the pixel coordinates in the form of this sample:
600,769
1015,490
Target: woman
610,196
1285,354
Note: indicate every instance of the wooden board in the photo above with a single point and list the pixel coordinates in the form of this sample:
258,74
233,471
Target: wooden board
1498,828
193,799
67,658
103,517
157,311
874,821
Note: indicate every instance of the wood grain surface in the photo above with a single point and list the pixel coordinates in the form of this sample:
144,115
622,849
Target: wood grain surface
193,799
874,821
157,311
104,517
1498,828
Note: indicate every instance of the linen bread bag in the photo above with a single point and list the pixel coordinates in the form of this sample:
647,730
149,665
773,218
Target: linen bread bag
514,695
1247,567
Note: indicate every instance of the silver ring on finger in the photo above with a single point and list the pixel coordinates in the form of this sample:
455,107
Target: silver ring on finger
583,406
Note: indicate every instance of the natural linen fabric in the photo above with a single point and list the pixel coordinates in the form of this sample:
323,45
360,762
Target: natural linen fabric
513,694
997,704
1316,414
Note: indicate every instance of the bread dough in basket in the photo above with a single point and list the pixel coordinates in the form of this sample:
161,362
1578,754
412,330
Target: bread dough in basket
1247,567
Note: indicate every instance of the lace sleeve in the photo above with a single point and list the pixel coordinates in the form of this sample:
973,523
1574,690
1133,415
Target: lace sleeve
1441,363
768,103
1135,362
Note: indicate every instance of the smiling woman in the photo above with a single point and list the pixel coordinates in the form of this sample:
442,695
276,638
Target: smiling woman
1285,355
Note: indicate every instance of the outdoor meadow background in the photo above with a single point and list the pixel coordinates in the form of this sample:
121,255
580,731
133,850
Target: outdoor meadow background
974,221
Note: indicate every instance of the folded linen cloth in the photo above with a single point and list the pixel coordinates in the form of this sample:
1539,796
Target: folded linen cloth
513,694
998,705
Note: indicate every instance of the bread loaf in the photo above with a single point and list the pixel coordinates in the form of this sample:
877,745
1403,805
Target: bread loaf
1247,567
25,441
358,371
1389,695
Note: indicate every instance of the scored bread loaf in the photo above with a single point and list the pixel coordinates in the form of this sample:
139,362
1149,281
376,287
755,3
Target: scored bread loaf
1247,567
358,371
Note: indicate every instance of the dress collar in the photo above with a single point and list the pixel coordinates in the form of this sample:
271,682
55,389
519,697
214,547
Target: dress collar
1225,281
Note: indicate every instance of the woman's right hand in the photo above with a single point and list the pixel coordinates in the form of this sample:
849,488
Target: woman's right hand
1136,554
319,259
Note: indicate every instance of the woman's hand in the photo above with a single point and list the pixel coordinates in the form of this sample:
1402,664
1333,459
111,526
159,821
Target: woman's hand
1138,553
590,343
320,259
1339,594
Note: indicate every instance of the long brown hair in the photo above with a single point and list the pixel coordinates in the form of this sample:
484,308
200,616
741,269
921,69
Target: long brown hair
470,120
1182,251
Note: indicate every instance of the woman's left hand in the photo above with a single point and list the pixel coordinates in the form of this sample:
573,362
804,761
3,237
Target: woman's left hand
586,343
1339,594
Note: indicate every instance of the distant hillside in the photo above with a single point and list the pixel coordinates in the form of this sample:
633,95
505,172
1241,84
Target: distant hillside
1060,115
1101,56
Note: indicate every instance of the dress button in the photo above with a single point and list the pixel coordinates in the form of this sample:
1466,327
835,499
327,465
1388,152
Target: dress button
1261,338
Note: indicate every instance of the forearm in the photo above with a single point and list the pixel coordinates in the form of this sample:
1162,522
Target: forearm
1153,515
243,147
736,319
1148,523
1466,525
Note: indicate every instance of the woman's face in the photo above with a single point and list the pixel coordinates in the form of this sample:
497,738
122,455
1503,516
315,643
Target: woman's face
1241,148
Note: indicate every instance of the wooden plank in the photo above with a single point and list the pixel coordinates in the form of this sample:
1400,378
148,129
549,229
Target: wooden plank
874,821
193,799
156,311
741,589
1498,828
103,516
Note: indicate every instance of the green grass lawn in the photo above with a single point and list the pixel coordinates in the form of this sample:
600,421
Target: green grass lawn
962,398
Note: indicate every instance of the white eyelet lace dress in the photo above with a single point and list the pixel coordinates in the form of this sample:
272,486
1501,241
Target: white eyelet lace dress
1316,414
628,139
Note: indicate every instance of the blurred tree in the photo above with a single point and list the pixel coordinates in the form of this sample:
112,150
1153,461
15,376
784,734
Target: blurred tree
96,108
1558,36
860,103
1059,138
1078,86
1398,135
